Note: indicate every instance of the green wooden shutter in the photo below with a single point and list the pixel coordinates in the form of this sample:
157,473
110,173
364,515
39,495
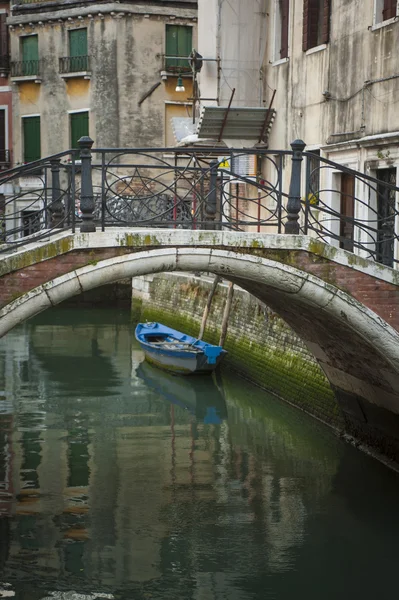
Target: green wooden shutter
31,132
178,43
30,54
79,127
78,49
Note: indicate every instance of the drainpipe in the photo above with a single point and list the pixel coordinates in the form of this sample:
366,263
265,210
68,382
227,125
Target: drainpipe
218,46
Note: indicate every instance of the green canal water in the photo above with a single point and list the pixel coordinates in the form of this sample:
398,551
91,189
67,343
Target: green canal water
118,481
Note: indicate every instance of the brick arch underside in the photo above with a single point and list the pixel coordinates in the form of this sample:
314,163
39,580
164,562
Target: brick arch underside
357,350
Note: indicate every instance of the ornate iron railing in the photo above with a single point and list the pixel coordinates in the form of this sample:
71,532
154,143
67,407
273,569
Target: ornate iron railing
37,199
187,188
74,64
254,190
25,68
352,210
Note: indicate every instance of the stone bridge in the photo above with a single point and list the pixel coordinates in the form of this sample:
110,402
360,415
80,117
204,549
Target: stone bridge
345,308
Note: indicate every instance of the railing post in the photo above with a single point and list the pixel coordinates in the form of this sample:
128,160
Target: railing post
86,195
211,199
294,196
56,207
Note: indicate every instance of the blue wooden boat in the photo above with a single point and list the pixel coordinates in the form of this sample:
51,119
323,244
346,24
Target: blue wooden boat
175,351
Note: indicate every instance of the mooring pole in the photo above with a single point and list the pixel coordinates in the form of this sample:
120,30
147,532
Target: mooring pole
208,307
226,314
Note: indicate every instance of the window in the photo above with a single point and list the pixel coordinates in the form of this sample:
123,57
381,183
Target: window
30,54
78,50
31,138
179,42
316,23
384,10
314,176
4,44
30,221
281,29
79,126
4,152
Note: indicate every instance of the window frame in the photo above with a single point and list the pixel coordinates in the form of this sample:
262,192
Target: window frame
277,58
378,9
310,29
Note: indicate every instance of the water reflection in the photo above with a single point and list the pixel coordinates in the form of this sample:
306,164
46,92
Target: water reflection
199,395
120,481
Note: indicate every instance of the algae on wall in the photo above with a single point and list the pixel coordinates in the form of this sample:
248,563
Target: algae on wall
261,347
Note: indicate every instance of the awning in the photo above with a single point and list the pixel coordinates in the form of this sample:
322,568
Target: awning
235,123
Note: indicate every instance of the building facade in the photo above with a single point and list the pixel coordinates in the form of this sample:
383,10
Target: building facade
98,69
5,91
331,69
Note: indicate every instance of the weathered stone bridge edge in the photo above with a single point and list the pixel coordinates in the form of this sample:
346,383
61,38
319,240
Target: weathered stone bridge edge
289,280
66,241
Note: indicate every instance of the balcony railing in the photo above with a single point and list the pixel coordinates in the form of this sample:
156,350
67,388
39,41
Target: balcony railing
74,64
176,65
25,68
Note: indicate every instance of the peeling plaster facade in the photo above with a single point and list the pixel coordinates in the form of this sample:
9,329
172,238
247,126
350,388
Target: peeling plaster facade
339,97
126,44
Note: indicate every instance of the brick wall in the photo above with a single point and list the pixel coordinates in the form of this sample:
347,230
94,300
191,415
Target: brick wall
261,347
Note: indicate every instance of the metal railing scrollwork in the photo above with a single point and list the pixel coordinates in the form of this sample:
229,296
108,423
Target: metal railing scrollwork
247,190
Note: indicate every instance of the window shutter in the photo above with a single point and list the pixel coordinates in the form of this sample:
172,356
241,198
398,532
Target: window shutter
325,36
171,45
30,48
184,42
389,10
310,24
313,22
4,43
178,43
79,127
31,130
284,12
78,42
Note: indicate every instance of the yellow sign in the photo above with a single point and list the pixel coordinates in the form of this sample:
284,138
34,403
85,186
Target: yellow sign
224,163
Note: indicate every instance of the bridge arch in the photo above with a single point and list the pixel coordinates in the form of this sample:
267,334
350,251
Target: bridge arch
357,349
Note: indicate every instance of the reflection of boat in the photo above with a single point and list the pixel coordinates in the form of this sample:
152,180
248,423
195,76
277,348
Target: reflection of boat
199,395
175,351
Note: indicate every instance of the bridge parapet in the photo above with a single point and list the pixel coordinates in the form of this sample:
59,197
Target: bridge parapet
249,190
370,283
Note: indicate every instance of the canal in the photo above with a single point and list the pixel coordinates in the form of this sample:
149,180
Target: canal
119,481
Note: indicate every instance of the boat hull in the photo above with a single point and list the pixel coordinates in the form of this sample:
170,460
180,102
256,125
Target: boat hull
175,351
187,365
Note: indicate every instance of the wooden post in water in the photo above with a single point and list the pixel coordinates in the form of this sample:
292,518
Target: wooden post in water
226,314
208,307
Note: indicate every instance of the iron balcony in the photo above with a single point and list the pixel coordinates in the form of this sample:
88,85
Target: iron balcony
25,68
74,64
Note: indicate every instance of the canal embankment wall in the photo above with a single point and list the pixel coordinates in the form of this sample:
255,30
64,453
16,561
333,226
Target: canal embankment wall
261,346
